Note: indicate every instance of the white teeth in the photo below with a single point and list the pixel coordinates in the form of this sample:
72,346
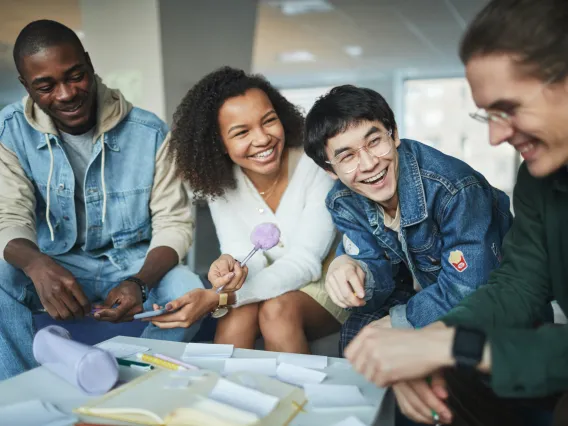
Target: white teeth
376,177
264,154
526,147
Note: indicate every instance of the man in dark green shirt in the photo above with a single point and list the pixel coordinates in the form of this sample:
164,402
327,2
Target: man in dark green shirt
516,58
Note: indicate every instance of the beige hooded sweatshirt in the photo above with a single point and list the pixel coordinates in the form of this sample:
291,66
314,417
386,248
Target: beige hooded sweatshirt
172,223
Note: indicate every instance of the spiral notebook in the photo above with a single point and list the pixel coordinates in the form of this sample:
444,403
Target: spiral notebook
195,398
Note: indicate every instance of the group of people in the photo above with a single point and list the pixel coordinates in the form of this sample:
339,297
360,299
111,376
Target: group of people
410,253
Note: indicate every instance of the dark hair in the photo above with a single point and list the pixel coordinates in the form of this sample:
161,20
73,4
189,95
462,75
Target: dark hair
535,30
196,141
339,109
38,35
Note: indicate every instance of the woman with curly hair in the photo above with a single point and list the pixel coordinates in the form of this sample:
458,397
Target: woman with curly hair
238,143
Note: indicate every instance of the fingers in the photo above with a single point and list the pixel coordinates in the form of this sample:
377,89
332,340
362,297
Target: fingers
182,318
115,307
240,275
222,280
330,286
439,386
77,292
346,288
427,396
410,404
358,284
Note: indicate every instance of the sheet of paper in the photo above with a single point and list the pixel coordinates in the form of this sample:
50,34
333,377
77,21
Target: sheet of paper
122,350
243,398
254,365
299,376
350,421
34,413
307,361
207,350
334,396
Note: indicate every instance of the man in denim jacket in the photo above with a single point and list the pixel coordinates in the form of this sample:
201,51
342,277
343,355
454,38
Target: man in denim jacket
401,207
90,208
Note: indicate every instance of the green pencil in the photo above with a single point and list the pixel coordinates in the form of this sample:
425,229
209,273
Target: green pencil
134,364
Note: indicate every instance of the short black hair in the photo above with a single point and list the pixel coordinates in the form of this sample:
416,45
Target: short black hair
535,30
343,107
196,141
38,35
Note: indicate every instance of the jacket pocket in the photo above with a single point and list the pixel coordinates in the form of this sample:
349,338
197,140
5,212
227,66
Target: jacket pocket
126,238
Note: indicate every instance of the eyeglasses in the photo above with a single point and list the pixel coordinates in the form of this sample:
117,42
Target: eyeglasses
348,160
499,117
484,116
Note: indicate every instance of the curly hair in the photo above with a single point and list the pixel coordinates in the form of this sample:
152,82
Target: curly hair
196,141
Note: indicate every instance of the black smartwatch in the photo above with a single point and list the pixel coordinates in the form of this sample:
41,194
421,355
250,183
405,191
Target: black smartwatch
142,285
468,347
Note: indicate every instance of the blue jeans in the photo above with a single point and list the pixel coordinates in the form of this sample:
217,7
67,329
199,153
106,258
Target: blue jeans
97,277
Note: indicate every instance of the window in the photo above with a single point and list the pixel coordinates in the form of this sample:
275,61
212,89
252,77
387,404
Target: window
436,113
304,98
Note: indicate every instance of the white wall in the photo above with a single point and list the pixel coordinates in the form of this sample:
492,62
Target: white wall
123,40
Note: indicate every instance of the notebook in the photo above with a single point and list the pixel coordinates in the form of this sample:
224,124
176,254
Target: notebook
200,398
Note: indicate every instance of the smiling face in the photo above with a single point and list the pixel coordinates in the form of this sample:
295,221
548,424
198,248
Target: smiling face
252,132
538,127
60,80
375,178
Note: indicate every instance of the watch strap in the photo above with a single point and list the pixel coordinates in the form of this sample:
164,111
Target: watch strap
468,347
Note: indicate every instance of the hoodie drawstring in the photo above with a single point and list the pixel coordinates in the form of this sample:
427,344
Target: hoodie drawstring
103,176
49,186
49,176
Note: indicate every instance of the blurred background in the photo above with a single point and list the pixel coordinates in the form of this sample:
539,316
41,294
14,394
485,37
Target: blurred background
155,50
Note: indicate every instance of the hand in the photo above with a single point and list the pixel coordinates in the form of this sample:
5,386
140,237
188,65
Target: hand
59,292
345,282
386,356
384,322
226,271
192,307
127,297
419,401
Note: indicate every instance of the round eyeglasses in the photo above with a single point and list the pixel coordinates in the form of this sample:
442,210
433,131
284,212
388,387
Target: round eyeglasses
378,146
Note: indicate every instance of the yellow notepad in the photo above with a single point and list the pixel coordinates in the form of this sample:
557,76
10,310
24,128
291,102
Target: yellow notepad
164,397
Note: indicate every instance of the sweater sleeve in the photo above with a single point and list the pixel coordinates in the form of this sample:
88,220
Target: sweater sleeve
17,201
308,246
172,224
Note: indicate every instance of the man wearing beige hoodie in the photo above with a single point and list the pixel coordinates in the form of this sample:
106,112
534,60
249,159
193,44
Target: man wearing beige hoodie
90,206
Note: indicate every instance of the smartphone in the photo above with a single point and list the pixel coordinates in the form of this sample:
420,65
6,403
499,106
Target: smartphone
149,314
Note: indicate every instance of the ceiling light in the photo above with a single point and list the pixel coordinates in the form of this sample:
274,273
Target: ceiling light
291,7
353,50
297,56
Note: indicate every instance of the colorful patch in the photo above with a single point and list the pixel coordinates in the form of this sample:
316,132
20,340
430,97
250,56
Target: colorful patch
349,246
457,260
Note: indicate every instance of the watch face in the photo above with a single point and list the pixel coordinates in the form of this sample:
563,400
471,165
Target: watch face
219,312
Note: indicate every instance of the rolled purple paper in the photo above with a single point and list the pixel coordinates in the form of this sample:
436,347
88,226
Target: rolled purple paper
265,236
91,369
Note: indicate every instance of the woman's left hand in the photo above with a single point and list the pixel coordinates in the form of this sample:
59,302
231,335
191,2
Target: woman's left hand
186,309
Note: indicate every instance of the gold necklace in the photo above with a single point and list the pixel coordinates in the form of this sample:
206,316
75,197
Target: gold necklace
267,193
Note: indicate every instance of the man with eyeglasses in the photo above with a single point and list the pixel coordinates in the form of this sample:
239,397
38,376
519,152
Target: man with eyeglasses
484,363
420,230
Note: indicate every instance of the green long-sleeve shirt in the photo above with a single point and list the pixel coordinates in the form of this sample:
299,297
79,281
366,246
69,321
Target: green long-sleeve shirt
527,362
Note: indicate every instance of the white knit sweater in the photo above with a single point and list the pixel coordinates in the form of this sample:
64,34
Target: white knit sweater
307,231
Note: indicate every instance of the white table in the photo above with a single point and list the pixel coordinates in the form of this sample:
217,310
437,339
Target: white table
40,383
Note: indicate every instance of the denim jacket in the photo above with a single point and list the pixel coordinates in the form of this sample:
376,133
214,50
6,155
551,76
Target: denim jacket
452,226
132,200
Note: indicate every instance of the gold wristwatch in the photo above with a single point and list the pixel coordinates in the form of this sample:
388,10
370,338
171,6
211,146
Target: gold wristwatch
222,309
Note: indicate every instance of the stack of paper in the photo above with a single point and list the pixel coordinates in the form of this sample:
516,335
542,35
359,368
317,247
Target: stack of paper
335,396
243,398
350,421
34,413
207,350
299,376
306,361
121,350
266,366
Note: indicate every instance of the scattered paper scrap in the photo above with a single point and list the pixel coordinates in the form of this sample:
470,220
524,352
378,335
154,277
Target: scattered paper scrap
334,396
207,350
299,376
121,350
306,361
